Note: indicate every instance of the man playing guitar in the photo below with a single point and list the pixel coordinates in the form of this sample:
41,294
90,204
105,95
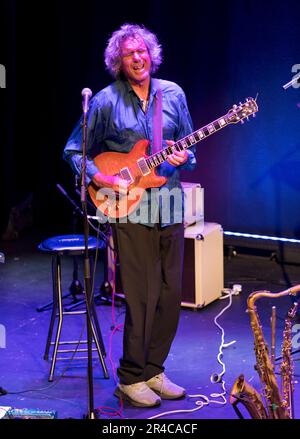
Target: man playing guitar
150,244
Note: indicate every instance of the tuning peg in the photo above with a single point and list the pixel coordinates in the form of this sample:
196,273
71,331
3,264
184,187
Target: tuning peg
253,115
242,121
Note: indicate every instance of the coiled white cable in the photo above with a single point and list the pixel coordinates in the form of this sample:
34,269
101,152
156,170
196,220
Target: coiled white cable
203,400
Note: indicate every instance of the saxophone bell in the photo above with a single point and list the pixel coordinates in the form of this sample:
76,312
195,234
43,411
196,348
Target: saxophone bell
242,392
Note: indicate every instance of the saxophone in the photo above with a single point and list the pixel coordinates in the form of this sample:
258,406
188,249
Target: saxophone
277,407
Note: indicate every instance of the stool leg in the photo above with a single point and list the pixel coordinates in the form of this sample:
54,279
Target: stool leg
54,307
52,304
60,314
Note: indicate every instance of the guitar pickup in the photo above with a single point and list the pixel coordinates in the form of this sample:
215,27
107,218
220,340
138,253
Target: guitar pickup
143,167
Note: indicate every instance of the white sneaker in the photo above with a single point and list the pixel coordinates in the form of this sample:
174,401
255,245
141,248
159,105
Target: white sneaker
165,388
138,394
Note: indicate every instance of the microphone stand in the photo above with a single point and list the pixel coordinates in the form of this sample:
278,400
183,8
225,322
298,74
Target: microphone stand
87,269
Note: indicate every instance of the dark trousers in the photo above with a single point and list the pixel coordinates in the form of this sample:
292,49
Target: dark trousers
151,261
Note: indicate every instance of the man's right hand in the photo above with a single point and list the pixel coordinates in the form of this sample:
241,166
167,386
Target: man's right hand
117,184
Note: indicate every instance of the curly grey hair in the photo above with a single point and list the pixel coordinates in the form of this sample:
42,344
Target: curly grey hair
112,54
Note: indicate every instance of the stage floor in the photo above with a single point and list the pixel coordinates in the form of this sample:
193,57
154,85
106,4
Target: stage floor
195,356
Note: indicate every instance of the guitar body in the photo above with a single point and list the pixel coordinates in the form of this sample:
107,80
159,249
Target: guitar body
112,163
139,169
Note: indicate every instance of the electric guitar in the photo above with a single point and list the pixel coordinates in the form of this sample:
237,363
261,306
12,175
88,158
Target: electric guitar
139,169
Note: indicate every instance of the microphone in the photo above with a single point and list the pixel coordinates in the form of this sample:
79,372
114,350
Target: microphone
86,93
294,81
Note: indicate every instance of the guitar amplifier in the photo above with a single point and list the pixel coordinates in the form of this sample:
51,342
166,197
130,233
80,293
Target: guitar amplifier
203,273
193,203
203,269
193,213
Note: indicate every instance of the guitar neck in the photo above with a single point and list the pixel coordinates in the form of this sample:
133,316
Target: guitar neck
159,157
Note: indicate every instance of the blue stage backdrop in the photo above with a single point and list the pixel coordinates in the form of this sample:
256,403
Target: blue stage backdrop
220,52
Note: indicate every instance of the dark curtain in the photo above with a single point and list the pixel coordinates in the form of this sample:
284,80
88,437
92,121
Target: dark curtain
220,52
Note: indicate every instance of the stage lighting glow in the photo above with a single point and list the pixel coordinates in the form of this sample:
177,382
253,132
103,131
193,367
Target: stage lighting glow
265,237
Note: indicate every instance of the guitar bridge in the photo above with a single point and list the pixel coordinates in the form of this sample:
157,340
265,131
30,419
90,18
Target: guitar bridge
143,167
126,175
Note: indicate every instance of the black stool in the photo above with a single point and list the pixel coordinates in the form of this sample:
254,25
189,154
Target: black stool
69,245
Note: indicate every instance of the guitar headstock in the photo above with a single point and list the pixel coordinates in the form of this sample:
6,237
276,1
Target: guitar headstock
239,112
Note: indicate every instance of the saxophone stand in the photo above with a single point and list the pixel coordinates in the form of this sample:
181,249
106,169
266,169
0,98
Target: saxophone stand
86,93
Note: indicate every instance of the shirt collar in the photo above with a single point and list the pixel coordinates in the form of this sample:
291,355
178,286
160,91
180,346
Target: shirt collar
153,86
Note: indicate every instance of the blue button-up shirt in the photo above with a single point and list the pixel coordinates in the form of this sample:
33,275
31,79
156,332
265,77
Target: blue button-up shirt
116,121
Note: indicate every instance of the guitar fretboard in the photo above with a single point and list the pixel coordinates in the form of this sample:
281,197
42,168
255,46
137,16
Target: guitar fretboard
159,157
